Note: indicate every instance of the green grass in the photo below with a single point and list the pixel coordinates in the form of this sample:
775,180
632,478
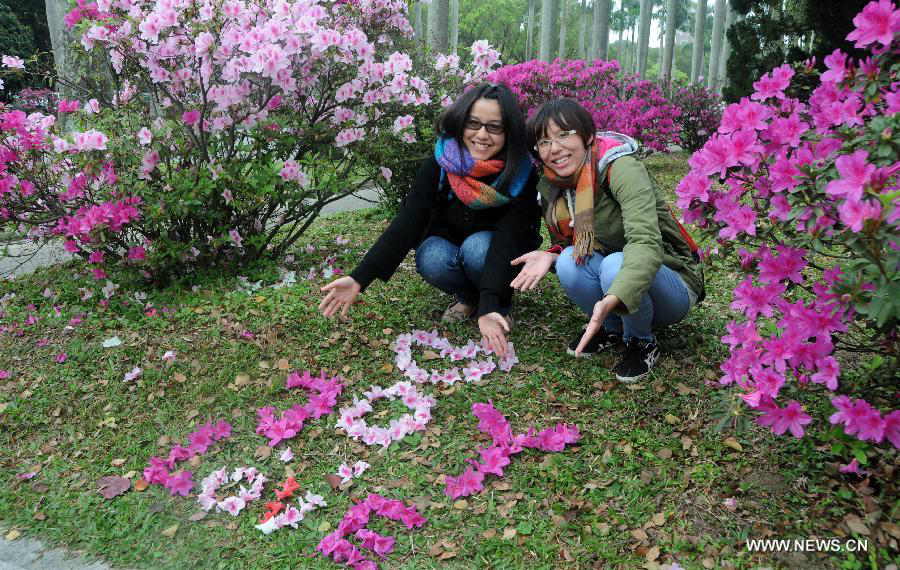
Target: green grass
651,471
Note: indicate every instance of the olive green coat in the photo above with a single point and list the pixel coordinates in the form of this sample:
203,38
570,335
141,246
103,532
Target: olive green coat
631,216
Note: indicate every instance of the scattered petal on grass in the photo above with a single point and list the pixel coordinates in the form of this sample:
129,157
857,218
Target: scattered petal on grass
61,357
286,455
112,342
5,374
28,475
133,375
169,356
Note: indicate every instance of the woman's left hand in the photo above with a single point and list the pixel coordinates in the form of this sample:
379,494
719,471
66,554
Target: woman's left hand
494,328
602,308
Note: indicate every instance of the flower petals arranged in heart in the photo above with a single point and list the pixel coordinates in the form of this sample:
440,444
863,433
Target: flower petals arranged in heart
474,371
351,417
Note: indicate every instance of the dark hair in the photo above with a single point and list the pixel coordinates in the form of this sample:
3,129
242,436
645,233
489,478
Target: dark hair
452,123
568,114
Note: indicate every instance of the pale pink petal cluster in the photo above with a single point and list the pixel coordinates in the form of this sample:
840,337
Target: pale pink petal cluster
232,504
352,422
474,371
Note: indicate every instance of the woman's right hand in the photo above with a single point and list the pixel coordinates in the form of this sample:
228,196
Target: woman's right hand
537,264
339,295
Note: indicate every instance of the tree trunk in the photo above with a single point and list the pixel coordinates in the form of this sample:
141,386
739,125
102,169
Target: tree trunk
697,52
722,76
562,29
59,39
600,39
669,44
454,26
438,23
548,26
582,31
644,37
715,51
529,38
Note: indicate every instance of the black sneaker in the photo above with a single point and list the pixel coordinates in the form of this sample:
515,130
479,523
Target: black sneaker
600,342
637,360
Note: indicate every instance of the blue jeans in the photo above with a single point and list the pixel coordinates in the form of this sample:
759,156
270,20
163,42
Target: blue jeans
666,301
454,269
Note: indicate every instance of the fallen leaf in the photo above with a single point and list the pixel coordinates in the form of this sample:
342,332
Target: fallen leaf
684,390
324,527
509,533
141,485
112,342
241,380
489,533
708,563
855,524
658,519
283,364
639,534
198,516
170,532
195,461
180,378
112,486
461,504
117,462
387,368
333,480
447,554
231,526
39,516
652,554
733,444
192,414
13,534
671,420
430,355
263,452
664,453
163,440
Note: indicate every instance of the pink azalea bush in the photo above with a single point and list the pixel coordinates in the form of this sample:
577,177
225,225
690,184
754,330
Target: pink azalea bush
806,195
230,126
616,101
699,113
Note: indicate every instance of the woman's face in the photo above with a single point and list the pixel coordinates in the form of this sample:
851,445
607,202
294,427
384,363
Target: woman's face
484,117
561,151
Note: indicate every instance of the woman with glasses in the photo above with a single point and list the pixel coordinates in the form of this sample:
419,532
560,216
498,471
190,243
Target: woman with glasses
619,253
472,209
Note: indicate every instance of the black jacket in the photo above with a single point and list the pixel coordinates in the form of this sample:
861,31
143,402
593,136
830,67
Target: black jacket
431,209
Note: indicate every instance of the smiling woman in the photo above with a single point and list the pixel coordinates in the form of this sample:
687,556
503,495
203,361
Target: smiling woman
472,209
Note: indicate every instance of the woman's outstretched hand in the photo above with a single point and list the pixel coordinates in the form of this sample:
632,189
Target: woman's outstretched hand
537,264
602,309
339,295
494,328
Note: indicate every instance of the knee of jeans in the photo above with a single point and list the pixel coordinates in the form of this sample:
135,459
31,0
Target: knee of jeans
476,246
566,269
432,259
609,268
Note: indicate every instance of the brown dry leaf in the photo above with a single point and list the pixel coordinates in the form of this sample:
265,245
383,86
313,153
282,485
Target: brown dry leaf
333,480
639,534
607,456
387,368
231,526
461,504
502,486
658,519
671,419
447,554
241,380
198,516
179,377
509,533
603,528
112,486
163,440
733,444
436,549
489,533
664,453
141,485
708,563
12,535
117,462
652,554
192,414
430,355
170,532
263,452
684,390
686,442
39,516
566,554
195,461
891,528
264,364
855,524
283,364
